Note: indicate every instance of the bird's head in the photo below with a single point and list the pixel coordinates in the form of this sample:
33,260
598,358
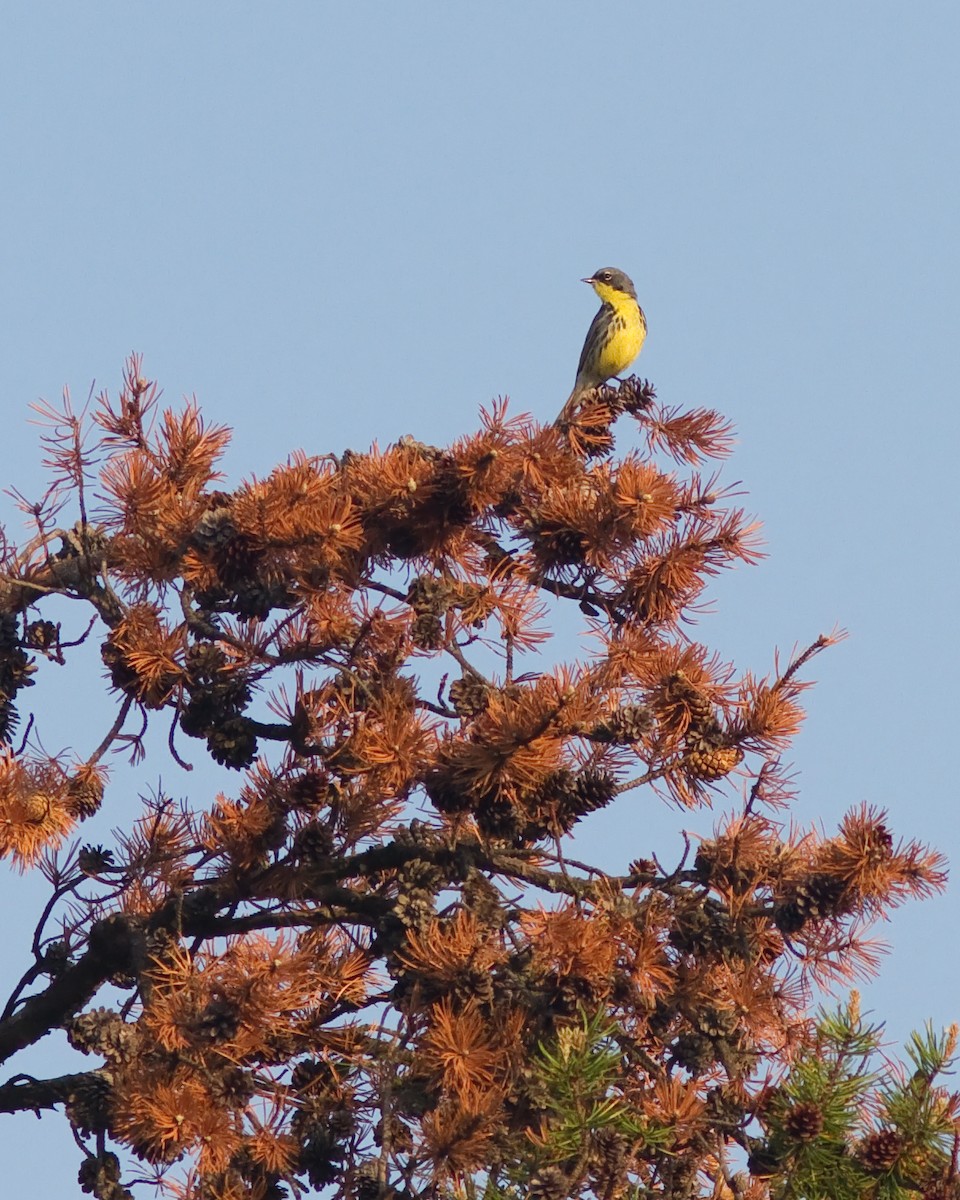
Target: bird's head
608,282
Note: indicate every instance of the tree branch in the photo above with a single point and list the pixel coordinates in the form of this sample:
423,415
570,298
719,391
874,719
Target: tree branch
22,1093
112,947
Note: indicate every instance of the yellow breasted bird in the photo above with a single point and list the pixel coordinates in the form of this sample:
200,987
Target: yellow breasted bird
614,337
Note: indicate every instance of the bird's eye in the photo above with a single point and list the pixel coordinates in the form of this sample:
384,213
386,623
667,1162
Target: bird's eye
605,276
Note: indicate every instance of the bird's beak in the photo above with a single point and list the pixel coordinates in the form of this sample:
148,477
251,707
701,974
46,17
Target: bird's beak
589,279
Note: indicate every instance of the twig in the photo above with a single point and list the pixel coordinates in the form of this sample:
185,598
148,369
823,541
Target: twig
112,734
385,589
755,791
640,780
821,643
457,654
83,636
36,969
172,747
26,736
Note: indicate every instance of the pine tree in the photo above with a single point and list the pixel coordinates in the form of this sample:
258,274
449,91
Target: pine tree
371,967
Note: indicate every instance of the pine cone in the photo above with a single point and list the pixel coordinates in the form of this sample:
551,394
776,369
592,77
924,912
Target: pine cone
369,1185
624,725
812,898
121,676
233,1086
716,1022
695,1052
804,1121
93,859
218,1022
233,743
417,887
234,553
879,1151
614,1151
594,788
764,1162
497,817
699,709
482,900
341,1122
257,598
549,1183
9,632
215,530
636,395
427,632
942,1189
642,867
417,833
563,797
42,635
84,793
88,1105
469,696
560,547
100,1176
56,958
313,843
204,662
320,1154
444,793
310,790
211,705
429,594
712,762
99,1031
393,1130
311,1075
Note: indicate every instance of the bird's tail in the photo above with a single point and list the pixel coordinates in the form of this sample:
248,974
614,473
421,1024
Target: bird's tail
573,400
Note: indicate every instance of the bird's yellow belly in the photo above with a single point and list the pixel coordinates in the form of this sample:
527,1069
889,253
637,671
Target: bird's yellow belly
622,347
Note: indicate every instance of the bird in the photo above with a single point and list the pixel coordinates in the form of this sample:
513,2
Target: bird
614,338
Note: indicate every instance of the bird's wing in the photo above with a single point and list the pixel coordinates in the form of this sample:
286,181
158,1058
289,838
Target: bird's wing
593,340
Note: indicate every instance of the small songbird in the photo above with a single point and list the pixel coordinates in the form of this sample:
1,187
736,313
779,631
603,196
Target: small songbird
614,337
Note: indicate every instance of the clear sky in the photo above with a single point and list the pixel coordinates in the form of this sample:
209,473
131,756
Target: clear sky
337,223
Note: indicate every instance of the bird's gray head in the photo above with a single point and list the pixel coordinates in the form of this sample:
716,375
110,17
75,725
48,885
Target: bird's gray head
610,277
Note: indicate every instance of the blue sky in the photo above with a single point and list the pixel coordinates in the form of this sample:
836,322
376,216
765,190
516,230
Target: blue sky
341,223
